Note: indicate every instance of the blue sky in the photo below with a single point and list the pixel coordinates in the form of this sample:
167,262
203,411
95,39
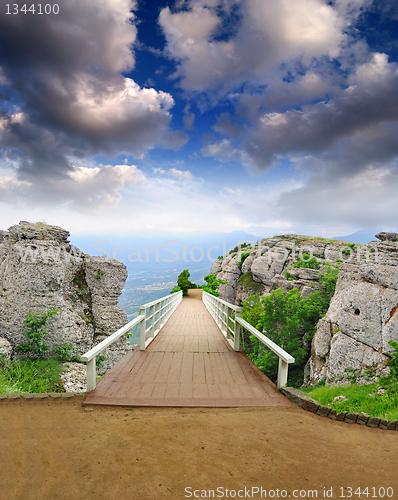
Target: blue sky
192,115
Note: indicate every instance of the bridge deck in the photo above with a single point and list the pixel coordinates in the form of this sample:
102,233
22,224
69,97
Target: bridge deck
188,364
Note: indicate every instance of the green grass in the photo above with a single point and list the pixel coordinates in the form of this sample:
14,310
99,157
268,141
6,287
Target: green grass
359,398
29,375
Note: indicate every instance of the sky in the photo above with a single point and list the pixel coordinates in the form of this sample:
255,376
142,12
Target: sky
159,116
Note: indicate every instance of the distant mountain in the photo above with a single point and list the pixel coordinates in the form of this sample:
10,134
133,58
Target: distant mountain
142,253
363,236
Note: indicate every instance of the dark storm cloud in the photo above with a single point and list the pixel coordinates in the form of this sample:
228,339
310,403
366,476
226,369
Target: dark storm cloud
65,96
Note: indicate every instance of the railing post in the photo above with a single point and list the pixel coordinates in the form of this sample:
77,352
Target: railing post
228,322
91,375
143,329
151,321
282,373
237,332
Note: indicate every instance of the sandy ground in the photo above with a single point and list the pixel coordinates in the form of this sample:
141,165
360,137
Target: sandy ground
59,449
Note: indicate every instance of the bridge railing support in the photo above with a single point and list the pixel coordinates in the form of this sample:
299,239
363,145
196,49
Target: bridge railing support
226,315
149,324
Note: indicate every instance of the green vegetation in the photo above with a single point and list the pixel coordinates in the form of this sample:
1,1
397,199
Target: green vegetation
30,375
33,373
212,284
393,362
64,353
183,283
246,282
99,274
377,400
307,262
100,359
35,323
243,257
239,247
290,321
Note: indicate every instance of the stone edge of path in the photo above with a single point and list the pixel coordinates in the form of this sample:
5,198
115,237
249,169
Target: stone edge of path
53,395
309,404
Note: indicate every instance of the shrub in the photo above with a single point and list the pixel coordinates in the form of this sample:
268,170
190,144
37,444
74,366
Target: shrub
63,353
307,262
393,362
212,284
290,321
243,257
35,346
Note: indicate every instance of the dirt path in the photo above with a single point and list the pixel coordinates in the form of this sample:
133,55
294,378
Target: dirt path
59,449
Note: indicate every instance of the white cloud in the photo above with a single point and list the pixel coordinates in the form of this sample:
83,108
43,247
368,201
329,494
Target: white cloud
180,174
269,33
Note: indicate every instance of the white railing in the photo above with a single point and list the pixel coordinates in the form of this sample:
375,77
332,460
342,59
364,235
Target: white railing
228,318
151,319
223,314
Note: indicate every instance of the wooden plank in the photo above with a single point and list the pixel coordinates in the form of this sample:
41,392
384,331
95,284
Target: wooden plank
146,390
164,367
152,367
218,372
188,364
186,391
186,368
208,369
172,391
198,368
173,377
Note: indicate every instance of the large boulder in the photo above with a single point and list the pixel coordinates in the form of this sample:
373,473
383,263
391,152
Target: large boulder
41,270
362,312
362,316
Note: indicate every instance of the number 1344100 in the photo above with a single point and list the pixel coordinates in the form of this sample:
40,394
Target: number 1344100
14,8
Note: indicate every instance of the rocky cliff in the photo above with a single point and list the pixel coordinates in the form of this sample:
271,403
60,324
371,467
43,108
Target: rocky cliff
362,315
41,270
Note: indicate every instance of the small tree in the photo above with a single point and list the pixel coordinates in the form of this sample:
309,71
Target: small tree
183,283
36,323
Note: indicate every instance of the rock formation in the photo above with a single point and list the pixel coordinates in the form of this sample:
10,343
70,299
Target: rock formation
41,270
362,315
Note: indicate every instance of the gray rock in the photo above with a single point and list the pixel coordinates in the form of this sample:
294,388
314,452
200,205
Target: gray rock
41,270
216,267
332,414
247,263
264,268
297,397
363,419
340,417
323,411
312,406
304,273
387,236
373,422
392,425
383,424
386,276
351,418
5,348
347,352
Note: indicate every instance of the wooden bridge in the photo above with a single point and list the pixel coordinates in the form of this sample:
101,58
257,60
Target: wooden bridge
190,363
